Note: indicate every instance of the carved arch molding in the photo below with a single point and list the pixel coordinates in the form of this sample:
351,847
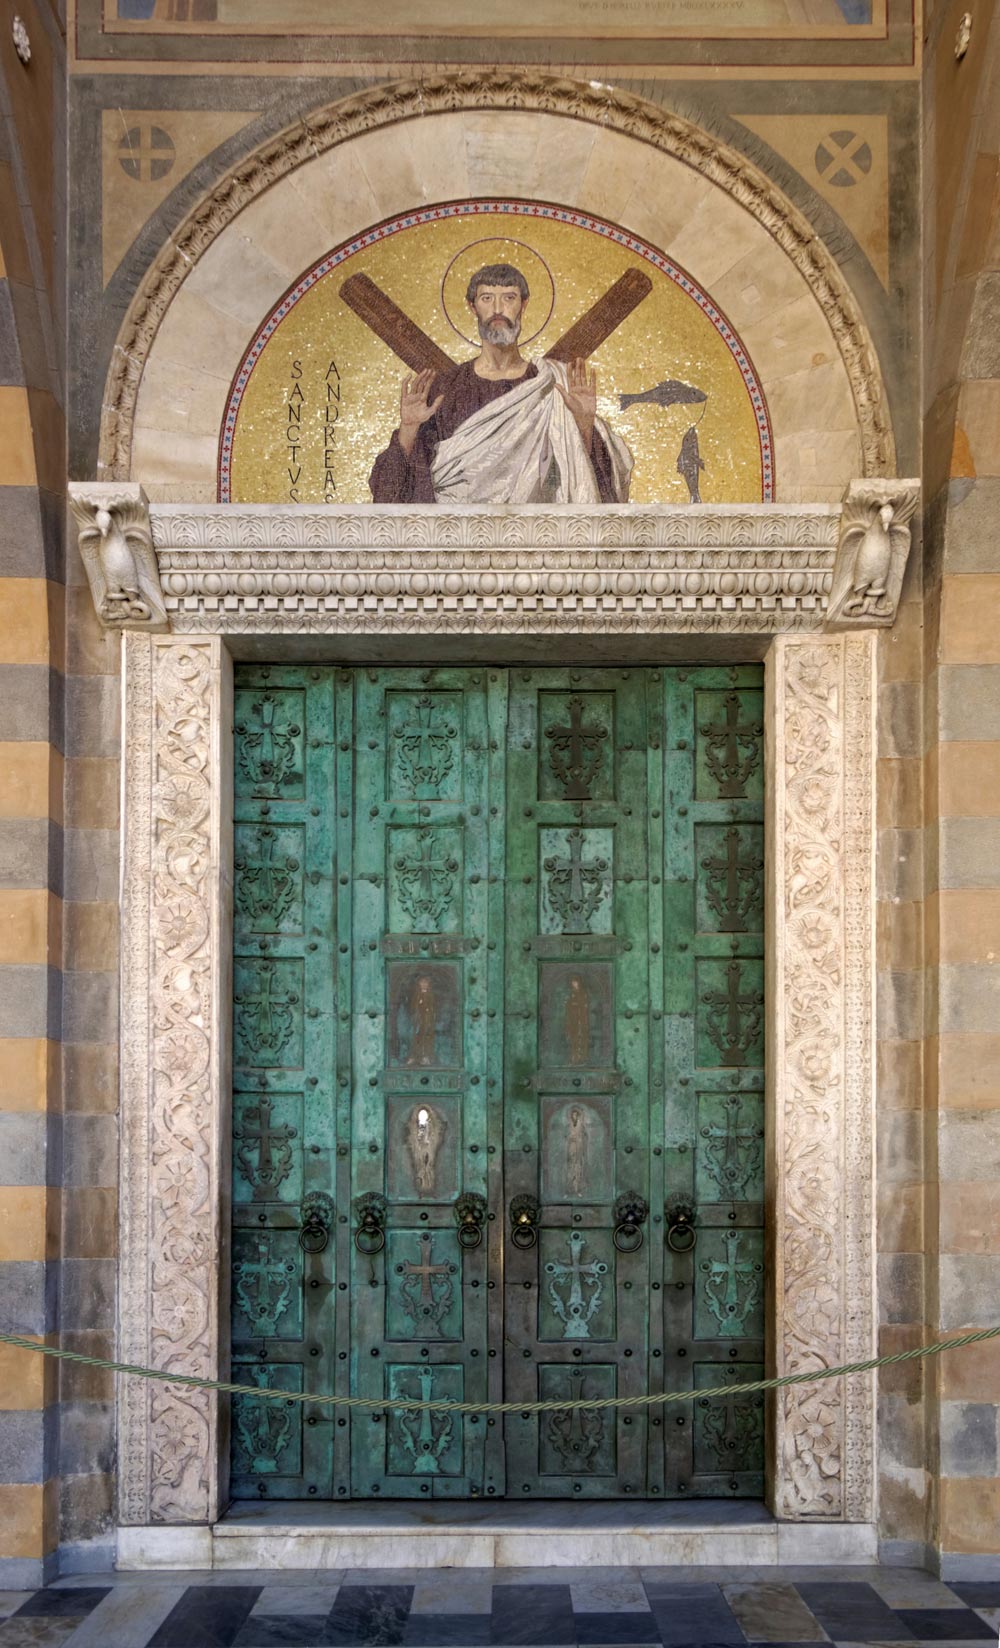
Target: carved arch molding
175,1072
601,105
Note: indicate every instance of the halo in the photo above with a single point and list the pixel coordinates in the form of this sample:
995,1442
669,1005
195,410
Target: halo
493,249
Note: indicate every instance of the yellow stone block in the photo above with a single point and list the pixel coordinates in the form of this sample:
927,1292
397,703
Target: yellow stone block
31,622
962,780
962,925
31,781
29,1519
969,1216
28,1381
23,1213
91,937
92,792
979,415
969,1514
30,927
964,1071
969,632
17,450
30,1070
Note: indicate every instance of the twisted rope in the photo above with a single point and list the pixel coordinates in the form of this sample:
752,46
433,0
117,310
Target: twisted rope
811,1376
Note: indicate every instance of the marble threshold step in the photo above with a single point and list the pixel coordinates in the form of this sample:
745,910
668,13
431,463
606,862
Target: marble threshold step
478,1534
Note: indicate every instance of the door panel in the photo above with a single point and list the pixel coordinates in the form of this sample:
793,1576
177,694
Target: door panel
498,1095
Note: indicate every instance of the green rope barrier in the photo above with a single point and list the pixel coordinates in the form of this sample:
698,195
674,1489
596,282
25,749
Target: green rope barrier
810,1376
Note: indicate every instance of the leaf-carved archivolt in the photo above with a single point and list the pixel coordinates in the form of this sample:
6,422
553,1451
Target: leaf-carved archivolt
494,88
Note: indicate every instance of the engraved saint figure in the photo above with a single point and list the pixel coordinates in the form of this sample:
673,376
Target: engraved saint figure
423,1021
425,1131
579,1125
577,1021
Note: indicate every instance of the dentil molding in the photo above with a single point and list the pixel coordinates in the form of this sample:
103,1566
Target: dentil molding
744,568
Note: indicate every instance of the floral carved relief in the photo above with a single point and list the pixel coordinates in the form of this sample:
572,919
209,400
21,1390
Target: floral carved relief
169,847
823,873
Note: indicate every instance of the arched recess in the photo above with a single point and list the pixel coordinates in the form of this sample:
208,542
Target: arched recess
580,145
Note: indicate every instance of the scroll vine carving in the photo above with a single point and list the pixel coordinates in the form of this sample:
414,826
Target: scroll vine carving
824,1100
494,88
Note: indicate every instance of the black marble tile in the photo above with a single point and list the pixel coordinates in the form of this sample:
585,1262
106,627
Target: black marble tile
693,1616
853,1612
283,1631
447,1631
207,1616
532,1614
369,1616
630,1627
977,1593
80,1600
946,1624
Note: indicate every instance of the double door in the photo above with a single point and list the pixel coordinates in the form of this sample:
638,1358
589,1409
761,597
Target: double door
497,1110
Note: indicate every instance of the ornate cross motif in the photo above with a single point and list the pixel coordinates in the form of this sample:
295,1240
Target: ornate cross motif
425,750
576,1434
733,1023
734,884
265,1018
733,749
264,890
576,1312
576,752
426,1435
262,1426
426,1289
264,1287
576,887
733,1154
426,882
732,1427
266,752
272,1146
732,1287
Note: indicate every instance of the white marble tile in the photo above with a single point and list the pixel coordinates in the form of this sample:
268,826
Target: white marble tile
910,1588
128,1614
447,1591
328,1549
607,1591
297,1599
11,1600
637,1548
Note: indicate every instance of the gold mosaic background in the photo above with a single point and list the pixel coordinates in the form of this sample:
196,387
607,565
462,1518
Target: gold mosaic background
567,267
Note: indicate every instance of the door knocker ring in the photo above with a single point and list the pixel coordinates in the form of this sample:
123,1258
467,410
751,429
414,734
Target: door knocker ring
630,1214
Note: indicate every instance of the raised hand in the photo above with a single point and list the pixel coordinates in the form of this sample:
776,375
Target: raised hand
414,406
581,398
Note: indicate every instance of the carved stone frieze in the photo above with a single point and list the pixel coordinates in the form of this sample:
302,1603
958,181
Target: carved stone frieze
116,545
173,969
748,568
820,1042
495,88
872,552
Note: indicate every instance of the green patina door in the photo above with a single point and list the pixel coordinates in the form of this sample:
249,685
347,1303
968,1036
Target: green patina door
498,1113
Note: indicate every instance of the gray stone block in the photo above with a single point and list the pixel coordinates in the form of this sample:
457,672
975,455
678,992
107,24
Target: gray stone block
31,705
23,1153
981,353
90,1007
899,720
899,999
968,1293
968,853
93,715
88,1293
10,353
22,545
90,869
31,851
971,526
27,1573
90,1151
30,1293
969,1145
901,1433
30,1001
900,1146
900,1287
86,1437
968,1432
968,702
968,999
27,1453
33,363
899,865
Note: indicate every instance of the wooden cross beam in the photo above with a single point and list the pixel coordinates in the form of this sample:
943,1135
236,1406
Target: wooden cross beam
419,352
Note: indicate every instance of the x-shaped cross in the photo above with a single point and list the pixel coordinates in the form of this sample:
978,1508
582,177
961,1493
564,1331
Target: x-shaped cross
406,339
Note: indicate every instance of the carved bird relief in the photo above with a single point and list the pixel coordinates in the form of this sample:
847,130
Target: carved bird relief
871,557
116,545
